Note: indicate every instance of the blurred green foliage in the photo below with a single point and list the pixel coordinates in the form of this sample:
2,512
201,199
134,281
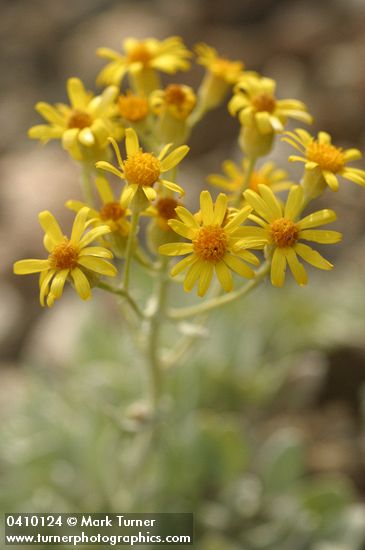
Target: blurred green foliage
79,439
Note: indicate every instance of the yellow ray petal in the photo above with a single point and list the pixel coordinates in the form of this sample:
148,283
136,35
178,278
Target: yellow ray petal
297,269
224,276
278,267
81,283
176,249
24,267
174,158
79,225
321,217
294,203
98,265
50,226
206,207
312,256
131,142
205,277
320,236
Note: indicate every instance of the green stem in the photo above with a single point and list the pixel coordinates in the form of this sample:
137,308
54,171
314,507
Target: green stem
87,184
154,333
123,294
219,301
246,181
129,248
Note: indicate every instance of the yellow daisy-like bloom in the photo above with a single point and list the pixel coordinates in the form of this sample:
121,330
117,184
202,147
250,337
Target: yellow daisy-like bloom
221,75
142,170
211,246
133,108
141,60
321,155
235,176
255,102
85,125
220,67
281,231
111,213
176,99
68,258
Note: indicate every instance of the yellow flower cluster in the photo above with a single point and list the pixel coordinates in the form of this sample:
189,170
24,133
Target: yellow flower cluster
225,237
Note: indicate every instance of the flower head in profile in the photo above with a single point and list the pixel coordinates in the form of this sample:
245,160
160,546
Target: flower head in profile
211,245
281,231
144,56
177,100
83,126
111,213
143,170
319,154
255,103
71,259
133,108
234,177
221,74
220,67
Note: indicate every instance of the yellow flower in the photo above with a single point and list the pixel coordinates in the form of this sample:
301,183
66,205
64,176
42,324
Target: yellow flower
68,258
173,105
133,108
220,76
235,176
176,99
111,213
220,67
142,170
163,211
280,230
141,60
321,155
254,99
211,246
85,125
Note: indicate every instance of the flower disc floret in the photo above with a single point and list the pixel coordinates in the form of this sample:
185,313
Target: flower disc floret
64,255
79,119
284,232
166,208
210,243
142,169
112,211
326,155
133,108
264,102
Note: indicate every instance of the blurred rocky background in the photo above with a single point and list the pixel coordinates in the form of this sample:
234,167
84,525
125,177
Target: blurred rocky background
315,50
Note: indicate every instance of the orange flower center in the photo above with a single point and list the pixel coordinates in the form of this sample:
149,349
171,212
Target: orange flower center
174,94
79,119
258,179
142,169
264,102
210,244
133,108
284,233
112,211
140,53
64,256
326,155
166,208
